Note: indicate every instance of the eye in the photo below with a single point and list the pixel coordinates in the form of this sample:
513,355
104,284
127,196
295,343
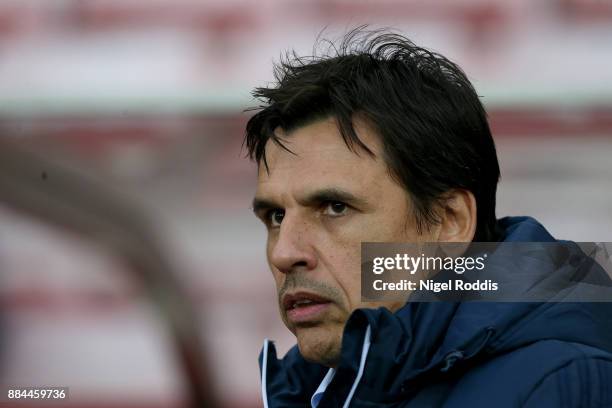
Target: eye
335,208
275,217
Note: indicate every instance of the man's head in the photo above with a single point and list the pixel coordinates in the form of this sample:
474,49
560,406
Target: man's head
379,141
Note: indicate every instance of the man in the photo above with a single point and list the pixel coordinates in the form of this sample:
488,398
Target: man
384,141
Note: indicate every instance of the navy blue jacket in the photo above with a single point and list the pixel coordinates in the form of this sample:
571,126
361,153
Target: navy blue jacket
452,354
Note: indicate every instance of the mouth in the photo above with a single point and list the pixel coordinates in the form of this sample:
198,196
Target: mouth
304,307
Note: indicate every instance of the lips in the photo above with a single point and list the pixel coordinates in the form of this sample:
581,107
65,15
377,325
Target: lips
304,307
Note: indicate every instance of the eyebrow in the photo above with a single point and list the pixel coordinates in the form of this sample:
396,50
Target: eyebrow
261,204
314,198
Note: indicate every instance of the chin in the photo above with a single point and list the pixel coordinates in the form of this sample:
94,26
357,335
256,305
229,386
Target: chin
319,345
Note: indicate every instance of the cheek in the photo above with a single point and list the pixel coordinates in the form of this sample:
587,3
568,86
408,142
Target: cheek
276,274
344,250
345,262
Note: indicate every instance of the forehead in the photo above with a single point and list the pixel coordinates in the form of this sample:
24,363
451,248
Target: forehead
321,159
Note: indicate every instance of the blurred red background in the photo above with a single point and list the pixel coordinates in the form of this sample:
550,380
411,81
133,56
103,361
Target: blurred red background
147,96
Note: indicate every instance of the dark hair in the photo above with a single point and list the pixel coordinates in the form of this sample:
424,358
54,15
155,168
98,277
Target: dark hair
432,125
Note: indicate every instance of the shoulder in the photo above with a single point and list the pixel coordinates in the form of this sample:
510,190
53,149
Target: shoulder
547,373
583,382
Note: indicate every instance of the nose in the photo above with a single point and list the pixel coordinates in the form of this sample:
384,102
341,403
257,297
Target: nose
292,248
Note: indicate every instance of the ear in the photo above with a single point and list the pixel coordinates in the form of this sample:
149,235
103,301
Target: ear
458,216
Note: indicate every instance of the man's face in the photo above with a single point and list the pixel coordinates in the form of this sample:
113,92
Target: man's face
319,204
